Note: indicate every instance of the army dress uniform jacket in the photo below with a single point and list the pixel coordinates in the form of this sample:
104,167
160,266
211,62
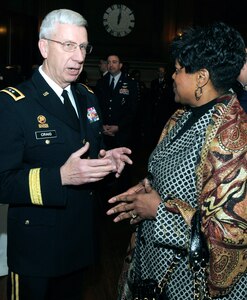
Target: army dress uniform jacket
118,108
50,226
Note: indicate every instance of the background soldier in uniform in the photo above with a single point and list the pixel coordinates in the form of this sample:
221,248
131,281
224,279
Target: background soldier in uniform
117,94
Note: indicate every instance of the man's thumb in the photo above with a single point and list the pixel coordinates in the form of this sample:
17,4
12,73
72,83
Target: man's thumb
83,151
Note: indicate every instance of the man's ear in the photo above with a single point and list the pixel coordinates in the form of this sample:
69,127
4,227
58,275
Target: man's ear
43,47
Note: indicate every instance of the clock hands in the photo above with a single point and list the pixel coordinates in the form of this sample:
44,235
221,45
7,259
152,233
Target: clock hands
119,15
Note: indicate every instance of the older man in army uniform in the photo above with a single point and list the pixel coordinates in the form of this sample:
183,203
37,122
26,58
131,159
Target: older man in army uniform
51,154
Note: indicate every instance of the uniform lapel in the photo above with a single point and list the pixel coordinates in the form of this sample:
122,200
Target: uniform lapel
106,84
81,103
50,101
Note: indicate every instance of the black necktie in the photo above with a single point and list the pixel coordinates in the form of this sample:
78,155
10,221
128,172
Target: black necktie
70,109
112,85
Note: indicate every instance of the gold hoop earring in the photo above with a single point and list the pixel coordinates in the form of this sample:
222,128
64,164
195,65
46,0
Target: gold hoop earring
198,93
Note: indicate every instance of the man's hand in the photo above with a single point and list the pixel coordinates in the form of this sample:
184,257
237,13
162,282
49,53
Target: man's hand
77,171
118,156
110,130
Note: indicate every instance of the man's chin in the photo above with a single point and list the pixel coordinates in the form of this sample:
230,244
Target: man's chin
72,78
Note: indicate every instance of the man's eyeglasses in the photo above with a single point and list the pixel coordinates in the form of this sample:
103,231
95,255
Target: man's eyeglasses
72,46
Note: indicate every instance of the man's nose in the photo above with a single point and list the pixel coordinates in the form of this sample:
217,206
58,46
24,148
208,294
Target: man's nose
79,54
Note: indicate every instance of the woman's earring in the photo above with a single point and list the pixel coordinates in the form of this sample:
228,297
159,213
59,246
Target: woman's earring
198,93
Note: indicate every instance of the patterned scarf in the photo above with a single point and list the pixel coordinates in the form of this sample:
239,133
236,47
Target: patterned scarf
222,185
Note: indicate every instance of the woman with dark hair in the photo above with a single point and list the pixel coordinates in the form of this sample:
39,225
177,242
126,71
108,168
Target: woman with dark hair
197,179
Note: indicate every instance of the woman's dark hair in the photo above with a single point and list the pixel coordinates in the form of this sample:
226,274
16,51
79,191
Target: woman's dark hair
218,48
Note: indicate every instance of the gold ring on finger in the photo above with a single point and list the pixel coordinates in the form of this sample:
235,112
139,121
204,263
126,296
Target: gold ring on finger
133,214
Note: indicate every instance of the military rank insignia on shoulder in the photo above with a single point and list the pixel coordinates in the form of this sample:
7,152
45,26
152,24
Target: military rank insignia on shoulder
14,93
88,88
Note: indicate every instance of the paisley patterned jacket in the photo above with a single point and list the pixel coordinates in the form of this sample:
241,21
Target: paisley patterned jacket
222,193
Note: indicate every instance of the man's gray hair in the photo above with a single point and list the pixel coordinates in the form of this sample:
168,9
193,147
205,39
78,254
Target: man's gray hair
60,16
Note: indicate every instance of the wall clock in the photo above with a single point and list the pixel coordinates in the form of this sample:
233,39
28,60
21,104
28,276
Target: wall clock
119,20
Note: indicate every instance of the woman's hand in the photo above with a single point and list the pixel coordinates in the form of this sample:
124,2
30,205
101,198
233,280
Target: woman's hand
138,203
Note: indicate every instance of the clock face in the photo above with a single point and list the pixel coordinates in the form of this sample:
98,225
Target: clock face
118,20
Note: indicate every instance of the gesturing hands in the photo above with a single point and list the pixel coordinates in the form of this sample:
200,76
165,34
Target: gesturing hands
119,157
138,203
77,171
110,130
